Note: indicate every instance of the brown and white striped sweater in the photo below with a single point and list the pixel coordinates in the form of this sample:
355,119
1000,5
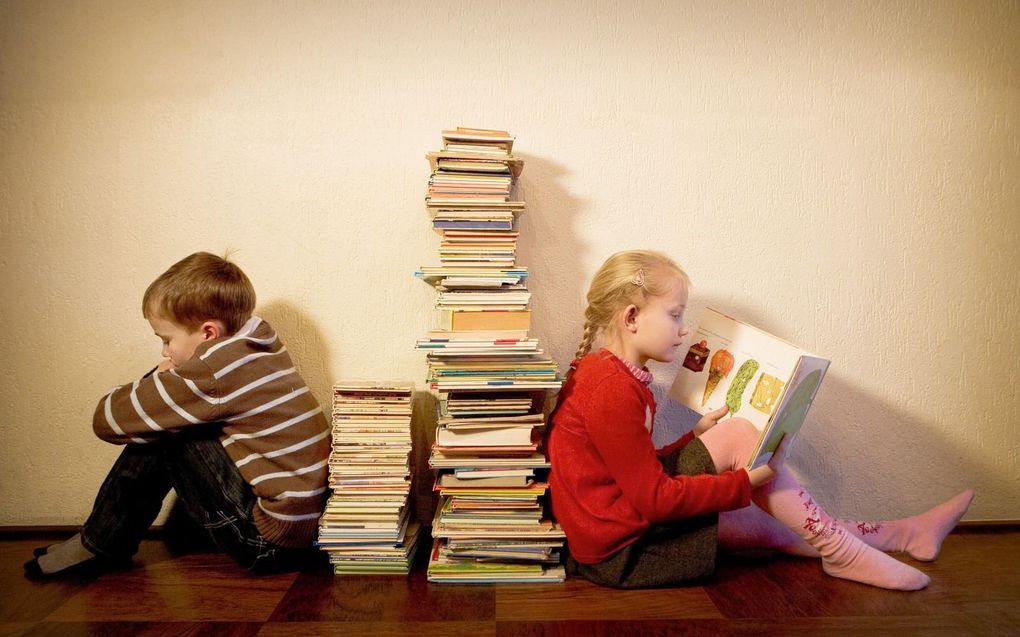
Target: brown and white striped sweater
273,428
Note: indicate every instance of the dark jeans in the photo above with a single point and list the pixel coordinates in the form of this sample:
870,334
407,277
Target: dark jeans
207,482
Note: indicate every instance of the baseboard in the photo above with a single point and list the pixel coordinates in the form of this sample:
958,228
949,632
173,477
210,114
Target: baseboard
989,524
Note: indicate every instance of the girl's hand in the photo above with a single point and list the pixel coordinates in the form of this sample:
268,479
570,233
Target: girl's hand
768,472
709,420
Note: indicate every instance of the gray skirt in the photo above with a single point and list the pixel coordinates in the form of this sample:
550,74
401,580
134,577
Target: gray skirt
666,555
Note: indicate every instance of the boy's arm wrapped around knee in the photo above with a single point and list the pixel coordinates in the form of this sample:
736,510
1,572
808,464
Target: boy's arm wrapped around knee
157,404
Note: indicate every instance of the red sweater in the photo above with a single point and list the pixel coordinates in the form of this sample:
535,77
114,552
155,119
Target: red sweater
607,485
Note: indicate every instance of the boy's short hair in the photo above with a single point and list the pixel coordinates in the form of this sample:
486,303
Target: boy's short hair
198,288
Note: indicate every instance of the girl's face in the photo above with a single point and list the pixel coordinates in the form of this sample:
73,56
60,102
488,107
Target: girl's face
658,329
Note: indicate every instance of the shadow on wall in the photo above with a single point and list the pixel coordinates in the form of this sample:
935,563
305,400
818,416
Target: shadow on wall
423,434
554,255
307,345
843,453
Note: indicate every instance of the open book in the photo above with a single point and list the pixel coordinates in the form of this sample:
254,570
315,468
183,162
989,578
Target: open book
760,377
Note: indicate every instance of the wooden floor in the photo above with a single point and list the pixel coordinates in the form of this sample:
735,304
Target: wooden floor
975,590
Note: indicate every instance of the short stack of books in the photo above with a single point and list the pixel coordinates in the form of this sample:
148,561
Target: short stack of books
490,376
366,527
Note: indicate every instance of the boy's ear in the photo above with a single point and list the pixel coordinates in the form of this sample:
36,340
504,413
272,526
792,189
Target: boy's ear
212,329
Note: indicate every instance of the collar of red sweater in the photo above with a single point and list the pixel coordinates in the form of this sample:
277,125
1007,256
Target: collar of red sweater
640,373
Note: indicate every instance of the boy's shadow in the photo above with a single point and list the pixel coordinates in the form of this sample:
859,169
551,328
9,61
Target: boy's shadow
307,346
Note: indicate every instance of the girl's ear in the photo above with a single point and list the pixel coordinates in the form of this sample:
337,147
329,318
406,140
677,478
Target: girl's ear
629,317
212,329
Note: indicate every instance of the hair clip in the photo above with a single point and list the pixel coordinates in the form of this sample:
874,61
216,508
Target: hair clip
639,278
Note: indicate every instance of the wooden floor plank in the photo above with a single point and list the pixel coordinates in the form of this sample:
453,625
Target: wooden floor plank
903,626
975,590
578,599
797,587
14,629
200,587
25,600
321,596
145,629
379,629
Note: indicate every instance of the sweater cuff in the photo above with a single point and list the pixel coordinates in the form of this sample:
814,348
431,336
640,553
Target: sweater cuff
745,487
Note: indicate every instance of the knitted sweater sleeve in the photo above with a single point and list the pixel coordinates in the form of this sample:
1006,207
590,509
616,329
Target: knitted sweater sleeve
161,402
615,421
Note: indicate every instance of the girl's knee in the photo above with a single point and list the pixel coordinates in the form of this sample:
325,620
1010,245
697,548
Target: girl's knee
742,428
737,431
730,443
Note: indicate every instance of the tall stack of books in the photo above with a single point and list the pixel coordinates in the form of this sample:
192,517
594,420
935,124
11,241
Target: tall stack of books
490,376
366,527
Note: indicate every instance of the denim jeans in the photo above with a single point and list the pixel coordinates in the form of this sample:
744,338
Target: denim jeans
207,482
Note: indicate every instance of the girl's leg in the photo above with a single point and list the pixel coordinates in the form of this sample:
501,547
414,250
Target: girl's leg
920,536
751,528
843,554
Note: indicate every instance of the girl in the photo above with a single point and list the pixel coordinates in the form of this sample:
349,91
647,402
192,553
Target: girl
636,516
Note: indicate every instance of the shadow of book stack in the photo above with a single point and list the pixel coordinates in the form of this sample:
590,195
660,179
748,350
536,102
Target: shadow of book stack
366,527
490,376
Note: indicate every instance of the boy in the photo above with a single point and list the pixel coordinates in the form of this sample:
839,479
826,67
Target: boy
224,420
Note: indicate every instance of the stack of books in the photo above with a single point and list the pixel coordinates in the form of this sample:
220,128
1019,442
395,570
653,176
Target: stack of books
366,527
491,377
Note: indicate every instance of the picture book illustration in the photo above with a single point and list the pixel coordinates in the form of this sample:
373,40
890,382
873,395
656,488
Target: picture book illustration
760,377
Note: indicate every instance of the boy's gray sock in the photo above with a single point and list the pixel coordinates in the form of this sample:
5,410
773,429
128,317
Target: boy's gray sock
64,555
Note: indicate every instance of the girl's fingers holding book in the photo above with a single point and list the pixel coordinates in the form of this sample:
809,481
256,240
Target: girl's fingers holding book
779,455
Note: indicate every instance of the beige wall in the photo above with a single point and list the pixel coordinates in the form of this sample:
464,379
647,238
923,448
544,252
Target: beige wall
845,177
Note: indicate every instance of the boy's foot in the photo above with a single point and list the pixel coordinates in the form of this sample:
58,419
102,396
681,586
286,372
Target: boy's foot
66,559
92,567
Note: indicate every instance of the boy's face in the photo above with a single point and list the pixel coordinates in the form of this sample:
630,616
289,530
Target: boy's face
179,343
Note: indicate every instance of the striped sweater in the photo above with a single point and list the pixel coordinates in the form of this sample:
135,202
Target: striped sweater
272,426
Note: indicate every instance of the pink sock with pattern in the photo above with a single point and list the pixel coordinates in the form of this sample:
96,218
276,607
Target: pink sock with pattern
919,536
843,554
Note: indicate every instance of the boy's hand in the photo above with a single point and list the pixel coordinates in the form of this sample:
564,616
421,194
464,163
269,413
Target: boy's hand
165,365
709,420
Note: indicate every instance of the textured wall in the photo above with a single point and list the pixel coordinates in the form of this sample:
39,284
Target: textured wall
848,178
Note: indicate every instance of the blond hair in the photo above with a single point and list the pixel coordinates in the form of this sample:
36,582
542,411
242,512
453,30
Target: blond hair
198,288
626,278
